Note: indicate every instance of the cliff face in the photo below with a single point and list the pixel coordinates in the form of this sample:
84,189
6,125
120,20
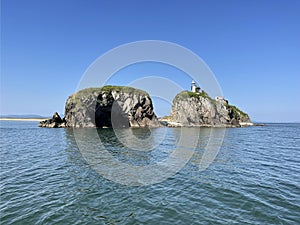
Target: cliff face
116,106
198,109
109,106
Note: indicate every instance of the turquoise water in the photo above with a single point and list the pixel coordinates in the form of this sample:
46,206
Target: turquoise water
253,180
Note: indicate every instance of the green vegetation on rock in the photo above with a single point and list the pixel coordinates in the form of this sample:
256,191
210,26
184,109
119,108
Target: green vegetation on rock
235,111
89,92
109,89
166,117
126,89
189,94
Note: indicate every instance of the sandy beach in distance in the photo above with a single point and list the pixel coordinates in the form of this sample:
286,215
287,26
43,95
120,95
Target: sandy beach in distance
23,119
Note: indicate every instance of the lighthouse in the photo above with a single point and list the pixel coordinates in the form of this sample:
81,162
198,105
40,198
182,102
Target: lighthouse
194,87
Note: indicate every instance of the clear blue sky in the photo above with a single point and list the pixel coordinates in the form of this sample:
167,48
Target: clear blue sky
253,47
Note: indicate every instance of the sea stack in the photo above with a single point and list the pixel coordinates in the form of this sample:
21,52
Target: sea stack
108,106
198,109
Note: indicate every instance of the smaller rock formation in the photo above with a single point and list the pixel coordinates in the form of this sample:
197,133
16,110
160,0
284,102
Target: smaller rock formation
198,109
55,122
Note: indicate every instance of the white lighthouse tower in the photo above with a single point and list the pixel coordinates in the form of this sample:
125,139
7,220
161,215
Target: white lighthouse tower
194,87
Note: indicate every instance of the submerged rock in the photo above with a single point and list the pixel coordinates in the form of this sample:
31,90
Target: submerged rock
198,109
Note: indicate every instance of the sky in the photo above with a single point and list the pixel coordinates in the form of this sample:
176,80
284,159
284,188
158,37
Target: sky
252,47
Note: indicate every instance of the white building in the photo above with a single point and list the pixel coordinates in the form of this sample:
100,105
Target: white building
194,87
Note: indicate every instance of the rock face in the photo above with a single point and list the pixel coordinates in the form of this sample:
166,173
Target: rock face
55,122
198,109
117,106
109,106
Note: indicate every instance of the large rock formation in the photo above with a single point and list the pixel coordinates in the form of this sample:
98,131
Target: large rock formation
198,109
109,106
117,106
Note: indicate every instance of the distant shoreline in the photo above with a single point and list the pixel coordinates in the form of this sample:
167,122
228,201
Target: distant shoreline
23,119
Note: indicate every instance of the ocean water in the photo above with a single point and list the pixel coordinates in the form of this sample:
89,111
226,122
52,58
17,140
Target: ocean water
254,178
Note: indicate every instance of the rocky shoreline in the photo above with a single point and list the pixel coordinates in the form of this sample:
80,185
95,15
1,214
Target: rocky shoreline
168,123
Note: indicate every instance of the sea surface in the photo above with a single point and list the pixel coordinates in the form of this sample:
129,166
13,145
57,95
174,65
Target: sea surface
254,178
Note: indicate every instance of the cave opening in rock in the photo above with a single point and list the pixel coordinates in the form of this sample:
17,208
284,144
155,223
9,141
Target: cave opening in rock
109,113
119,118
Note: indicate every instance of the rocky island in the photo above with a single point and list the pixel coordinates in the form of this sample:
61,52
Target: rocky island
198,109
122,106
108,106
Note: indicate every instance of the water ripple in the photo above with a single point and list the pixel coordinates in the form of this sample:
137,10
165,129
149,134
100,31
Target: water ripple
254,180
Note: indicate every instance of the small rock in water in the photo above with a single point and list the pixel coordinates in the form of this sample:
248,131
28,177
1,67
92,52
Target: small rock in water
54,122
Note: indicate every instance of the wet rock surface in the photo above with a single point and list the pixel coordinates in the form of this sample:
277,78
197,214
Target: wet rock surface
55,122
